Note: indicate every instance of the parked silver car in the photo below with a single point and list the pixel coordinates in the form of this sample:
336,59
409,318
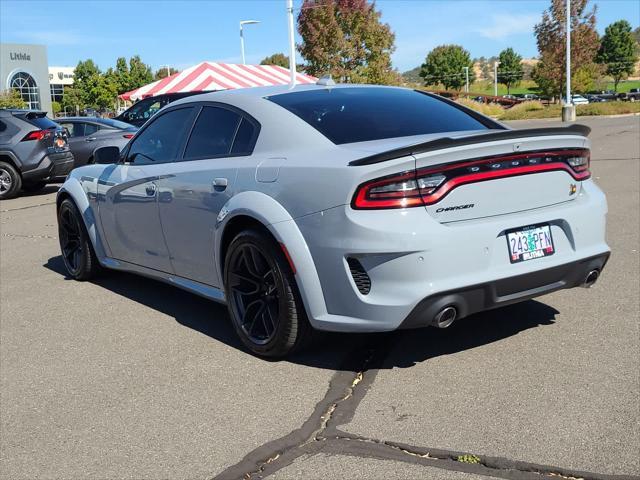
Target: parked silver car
344,208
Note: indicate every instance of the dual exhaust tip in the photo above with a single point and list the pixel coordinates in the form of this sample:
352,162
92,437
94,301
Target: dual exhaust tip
445,317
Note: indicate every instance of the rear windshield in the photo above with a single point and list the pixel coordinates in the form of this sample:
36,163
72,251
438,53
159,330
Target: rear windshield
347,115
40,121
109,122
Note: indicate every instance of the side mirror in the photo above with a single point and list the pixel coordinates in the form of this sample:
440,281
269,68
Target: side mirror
106,155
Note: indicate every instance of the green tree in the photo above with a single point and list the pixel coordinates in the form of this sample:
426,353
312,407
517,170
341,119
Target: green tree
618,51
140,73
446,65
72,101
550,33
346,39
636,34
279,59
94,89
162,73
510,70
11,99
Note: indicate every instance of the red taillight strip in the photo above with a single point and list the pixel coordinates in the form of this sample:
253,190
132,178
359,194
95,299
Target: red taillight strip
450,185
455,174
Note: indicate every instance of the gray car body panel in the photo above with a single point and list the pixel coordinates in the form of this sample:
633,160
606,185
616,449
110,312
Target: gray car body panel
298,185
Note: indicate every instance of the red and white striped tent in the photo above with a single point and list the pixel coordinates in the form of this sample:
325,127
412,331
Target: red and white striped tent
210,76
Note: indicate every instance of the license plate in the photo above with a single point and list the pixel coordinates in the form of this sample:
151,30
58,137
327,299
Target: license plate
527,243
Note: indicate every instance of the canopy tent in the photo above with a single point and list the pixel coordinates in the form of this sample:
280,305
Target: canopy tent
210,76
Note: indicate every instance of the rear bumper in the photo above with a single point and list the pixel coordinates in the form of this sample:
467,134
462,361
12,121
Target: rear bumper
414,263
51,166
506,291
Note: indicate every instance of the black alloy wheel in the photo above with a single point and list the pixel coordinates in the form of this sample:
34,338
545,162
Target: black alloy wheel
254,292
262,295
77,252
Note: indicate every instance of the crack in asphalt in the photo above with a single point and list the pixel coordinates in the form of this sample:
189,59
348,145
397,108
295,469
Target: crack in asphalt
27,207
347,388
15,235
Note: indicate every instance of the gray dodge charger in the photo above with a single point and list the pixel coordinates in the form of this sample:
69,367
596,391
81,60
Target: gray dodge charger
344,208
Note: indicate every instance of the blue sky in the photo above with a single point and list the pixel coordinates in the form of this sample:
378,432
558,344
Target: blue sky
182,33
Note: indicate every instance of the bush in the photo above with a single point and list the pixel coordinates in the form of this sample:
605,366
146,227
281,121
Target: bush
489,109
11,99
608,108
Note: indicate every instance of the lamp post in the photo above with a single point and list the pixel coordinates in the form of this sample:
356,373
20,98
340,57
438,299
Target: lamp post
568,109
242,23
466,73
292,45
495,78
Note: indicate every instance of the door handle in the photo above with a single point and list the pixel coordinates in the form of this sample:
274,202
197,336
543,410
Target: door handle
220,184
151,189
90,139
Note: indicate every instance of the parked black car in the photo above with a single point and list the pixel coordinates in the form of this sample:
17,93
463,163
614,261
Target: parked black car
33,151
632,95
601,96
88,133
143,110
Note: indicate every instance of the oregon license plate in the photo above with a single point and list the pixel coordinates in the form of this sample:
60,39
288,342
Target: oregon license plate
527,243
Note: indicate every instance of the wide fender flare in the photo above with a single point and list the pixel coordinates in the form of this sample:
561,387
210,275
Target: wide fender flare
74,188
282,226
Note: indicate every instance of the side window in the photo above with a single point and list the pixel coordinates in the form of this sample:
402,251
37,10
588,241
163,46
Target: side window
212,134
243,143
75,129
90,129
161,140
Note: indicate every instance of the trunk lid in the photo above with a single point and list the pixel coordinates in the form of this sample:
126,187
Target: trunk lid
502,177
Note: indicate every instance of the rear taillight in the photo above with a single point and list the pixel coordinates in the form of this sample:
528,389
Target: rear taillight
128,135
37,135
430,185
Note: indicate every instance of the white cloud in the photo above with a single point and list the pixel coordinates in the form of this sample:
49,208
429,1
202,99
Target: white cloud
507,24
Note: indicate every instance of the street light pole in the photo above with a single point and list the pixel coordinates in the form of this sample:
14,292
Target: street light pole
568,98
292,45
568,109
466,72
495,78
242,23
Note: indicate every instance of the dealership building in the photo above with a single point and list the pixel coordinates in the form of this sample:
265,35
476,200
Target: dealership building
25,68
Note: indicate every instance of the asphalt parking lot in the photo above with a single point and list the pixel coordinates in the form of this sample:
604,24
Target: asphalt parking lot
126,377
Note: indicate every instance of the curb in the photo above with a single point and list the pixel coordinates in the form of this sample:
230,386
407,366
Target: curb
619,115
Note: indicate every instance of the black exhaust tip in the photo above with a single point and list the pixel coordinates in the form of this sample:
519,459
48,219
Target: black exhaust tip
591,278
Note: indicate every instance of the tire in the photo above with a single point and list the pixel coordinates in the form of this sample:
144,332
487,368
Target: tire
10,181
77,251
262,296
34,187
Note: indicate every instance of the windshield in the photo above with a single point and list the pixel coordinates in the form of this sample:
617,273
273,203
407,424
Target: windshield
359,114
114,123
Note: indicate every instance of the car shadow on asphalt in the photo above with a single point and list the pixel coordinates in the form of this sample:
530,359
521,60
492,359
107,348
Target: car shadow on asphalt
333,351
51,188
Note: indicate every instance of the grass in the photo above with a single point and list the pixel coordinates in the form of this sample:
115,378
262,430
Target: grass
533,110
485,87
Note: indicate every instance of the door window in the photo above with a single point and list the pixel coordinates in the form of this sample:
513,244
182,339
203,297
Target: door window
90,129
213,133
161,141
245,138
74,129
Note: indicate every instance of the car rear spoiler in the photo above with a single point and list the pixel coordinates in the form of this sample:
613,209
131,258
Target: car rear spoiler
448,142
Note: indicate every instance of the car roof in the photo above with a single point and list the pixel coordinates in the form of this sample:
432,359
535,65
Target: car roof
78,119
281,89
